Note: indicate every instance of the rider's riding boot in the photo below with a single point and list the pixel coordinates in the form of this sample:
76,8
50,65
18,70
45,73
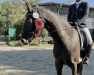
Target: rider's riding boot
86,60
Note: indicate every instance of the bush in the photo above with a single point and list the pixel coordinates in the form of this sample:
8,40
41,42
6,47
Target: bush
35,42
13,43
44,33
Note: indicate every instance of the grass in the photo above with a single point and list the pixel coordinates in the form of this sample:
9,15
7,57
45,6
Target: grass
41,45
13,43
32,45
3,35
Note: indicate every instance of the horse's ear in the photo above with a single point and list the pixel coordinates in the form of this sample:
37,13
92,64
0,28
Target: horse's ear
29,8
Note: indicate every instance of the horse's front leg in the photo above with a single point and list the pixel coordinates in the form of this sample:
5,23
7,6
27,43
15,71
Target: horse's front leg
80,68
74,69
59,66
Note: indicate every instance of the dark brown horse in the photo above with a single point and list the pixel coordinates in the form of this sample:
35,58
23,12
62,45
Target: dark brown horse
66,40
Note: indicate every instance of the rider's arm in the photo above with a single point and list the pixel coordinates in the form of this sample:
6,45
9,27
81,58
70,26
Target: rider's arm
85,13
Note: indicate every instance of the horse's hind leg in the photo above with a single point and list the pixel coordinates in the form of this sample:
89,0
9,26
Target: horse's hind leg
74,69
59,66
80,68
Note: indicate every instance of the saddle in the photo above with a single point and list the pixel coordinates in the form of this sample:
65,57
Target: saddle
83,42
84,39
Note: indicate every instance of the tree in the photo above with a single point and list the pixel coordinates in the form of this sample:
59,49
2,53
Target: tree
44,33
12,12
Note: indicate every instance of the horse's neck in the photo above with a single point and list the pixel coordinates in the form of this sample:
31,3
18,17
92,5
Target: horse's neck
61,32
58,23
67,38
55,31
56,27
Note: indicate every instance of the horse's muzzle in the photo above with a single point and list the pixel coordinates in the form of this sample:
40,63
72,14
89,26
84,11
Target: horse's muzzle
23,42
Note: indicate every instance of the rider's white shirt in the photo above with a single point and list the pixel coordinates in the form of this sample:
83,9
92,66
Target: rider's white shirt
77,4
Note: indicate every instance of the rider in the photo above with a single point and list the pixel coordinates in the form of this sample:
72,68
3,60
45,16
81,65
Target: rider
78,12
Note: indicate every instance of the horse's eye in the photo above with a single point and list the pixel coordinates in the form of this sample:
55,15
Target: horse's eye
30,20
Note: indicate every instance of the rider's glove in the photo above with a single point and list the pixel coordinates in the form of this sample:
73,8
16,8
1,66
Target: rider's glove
73,23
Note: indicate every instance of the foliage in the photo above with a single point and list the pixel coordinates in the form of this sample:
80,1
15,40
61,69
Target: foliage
33,45
34,2
13,43
19,27
12,11
35,42
44,33
12,14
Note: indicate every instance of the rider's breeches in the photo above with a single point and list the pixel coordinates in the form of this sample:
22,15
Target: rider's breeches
86,30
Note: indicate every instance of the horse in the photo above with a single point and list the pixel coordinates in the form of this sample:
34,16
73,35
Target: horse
67,46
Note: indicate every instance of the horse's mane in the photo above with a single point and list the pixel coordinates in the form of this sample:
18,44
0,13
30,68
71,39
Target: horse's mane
59,23
58,18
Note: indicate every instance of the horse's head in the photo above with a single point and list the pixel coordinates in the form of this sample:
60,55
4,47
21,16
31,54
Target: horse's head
32,26
35,21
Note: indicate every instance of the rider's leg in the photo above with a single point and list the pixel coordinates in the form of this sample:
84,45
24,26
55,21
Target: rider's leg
86,30
89,48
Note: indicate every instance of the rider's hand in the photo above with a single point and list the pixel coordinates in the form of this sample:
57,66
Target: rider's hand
73,23
76,23
70,22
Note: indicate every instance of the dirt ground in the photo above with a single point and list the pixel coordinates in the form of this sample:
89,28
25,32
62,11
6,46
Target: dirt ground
33,61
